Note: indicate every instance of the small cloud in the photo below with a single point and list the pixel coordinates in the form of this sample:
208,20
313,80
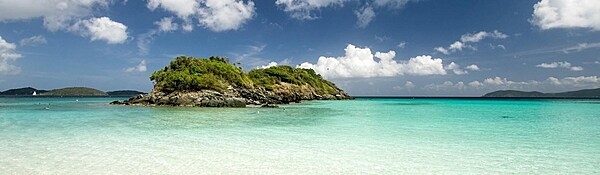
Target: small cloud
476,84
563,64
474,38
470,38
102,28
442,50
408,86
472,67
304,9
401,45
365,15
381,38
166,25
393,4
581,46
139,68
446,86
497,46
455,68
33,41
501,46
271,64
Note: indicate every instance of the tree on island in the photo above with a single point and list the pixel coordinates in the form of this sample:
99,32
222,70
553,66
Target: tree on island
214,79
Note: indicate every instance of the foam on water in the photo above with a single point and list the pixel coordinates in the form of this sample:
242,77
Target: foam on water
364,136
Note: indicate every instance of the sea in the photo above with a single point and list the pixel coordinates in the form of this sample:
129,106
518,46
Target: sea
362,136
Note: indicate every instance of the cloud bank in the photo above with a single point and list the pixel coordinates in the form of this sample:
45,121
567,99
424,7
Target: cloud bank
551,84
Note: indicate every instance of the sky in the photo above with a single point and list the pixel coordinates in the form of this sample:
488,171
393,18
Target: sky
366,47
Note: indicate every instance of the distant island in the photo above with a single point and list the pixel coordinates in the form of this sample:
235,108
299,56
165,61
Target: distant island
585,93
68,91
214,82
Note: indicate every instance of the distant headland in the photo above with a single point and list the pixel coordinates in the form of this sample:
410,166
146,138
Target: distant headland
585,93
214,82
69,91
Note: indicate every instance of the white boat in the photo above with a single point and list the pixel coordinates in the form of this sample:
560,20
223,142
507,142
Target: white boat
34,93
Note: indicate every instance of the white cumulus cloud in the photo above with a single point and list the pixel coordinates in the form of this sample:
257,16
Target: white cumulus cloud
562,64
361,62
8,54
221,15
548,14
455,68
182,8
472,67
102,28
470,38
58,14
216,15
139,68
34,40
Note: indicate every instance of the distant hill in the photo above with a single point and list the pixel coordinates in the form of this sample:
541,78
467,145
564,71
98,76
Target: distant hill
128,93
586,93
75,91
22,91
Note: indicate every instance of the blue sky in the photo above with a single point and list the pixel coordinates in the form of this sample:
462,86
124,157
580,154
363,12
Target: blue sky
367,47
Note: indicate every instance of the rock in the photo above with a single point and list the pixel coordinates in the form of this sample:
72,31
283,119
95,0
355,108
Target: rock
234,97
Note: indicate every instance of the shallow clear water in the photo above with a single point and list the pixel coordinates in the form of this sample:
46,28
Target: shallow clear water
364,136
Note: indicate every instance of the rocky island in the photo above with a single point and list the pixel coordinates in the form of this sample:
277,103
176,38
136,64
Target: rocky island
214,82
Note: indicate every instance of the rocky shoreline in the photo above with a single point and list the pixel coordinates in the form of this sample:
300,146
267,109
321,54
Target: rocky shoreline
232,98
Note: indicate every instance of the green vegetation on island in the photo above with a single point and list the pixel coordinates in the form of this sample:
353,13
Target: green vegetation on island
22,91
75,91
585,93
192,74
124,93
214,82
215,73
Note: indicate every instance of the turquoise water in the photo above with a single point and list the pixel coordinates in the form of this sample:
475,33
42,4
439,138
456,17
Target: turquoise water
364,136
